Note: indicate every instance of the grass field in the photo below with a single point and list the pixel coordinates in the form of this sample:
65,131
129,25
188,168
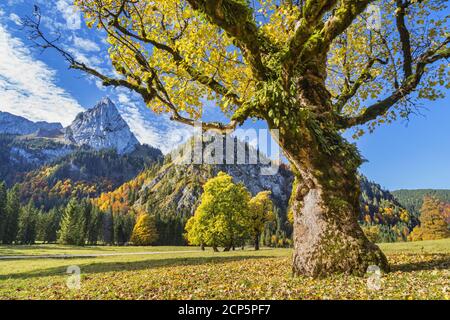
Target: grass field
419,271
52,249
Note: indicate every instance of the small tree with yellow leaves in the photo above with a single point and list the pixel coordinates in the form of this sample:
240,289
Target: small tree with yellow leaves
144,232
222,219
261,212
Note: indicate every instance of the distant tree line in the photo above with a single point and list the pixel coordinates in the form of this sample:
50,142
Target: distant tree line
227,217
78,223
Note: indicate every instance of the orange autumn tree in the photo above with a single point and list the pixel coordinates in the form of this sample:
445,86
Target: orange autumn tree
433,224
310,68
144,232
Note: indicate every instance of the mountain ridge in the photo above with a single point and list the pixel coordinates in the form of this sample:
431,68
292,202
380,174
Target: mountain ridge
97,133
14,124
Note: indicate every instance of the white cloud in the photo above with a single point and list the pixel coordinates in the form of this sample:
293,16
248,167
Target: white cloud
91,61
156,130
14,2
27,85
70,13
15,18
85,44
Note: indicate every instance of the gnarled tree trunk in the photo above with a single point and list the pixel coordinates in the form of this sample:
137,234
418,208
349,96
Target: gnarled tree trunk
325,199
325,204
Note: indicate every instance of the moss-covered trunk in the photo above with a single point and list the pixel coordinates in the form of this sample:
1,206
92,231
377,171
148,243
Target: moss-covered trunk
327,236
325,205
325,199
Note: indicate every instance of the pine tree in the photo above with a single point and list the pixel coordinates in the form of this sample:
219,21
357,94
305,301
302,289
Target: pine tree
432,222
73,224
144,232
123,227
108,227
27,224
94,226
52,231
11,225
48,225
119,230
3,207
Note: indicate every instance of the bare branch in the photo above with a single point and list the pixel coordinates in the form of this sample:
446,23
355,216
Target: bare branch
408,86
350,91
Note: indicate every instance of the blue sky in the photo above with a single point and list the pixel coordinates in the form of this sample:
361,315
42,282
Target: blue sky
39,86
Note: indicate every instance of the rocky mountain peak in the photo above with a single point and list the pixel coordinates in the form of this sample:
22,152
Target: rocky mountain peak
102,127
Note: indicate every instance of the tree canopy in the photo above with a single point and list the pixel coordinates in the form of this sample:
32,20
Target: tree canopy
239,54
222,219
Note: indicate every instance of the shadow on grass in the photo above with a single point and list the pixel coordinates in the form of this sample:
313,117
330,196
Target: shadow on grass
101,267
441,263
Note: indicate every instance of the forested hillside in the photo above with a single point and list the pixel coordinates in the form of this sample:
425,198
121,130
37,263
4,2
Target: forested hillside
21,154
384,219
171,192
412,200
84,173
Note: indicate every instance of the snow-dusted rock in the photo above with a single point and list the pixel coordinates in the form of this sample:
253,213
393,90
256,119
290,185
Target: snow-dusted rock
102,127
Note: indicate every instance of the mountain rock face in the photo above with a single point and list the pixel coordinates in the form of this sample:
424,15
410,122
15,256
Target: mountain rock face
96,154
102,127
12,124
178,188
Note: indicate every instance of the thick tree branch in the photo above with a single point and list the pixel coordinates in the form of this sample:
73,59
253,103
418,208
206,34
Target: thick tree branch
404,37
196,75
408,86
235,18
312,14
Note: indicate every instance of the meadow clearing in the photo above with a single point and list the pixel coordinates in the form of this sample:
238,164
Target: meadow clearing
420,270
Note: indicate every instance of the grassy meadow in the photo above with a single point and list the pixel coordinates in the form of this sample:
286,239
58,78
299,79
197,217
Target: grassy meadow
420,270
